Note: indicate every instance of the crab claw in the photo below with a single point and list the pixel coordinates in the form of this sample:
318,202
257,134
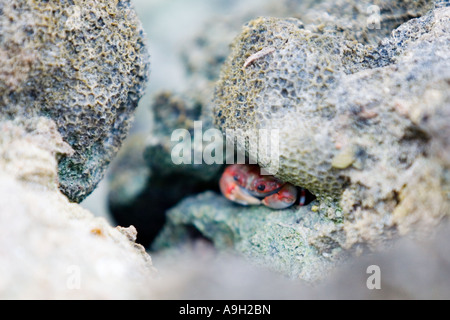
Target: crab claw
284,198
232,191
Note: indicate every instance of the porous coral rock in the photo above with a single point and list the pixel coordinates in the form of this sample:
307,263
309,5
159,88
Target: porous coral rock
366,21
283,91
81,63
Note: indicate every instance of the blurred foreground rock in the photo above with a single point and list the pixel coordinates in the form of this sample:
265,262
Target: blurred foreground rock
410,269
51,248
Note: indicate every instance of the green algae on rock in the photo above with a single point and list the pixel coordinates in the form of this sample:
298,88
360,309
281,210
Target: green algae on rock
51,248
293,241
84,65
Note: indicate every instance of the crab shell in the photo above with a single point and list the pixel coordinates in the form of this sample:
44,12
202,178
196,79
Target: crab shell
243,183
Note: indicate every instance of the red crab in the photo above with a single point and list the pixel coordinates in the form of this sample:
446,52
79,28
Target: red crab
243,183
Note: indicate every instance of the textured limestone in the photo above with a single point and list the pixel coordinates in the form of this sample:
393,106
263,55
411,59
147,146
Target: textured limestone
81,63
282,90
358,125
365,21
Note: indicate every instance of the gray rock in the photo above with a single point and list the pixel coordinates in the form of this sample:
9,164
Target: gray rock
357,124
295,241
82,64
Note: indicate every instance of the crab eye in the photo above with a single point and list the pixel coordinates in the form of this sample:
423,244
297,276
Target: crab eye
261,187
